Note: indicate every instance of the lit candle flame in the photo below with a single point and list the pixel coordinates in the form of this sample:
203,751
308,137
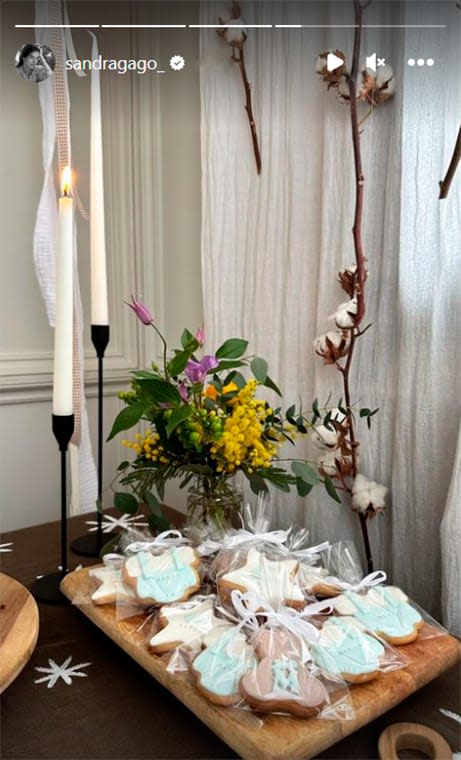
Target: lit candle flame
66,180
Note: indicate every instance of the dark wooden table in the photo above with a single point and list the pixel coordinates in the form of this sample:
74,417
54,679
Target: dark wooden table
118,711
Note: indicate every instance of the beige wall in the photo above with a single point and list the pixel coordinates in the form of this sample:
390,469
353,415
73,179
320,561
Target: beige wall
152,201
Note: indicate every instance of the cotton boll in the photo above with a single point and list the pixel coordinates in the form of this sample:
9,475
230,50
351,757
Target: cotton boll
324,438
344,316
234,32
331,346
321,64
368,497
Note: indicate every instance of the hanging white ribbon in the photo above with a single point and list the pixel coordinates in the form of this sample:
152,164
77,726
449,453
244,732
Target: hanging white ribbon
248,606
370,580
168,538
311,553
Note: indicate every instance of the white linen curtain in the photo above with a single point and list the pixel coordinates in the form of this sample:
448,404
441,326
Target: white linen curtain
271,247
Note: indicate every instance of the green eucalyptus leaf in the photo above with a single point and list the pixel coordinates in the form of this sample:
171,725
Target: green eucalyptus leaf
259,368
302,487
331,490
158,523
233,348
365,412
125,502
123,465
269,383
306,472
257,483
227,365
127,418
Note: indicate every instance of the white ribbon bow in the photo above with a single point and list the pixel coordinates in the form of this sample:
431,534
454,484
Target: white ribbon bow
311,553
248,605
370,580
242,536
164,539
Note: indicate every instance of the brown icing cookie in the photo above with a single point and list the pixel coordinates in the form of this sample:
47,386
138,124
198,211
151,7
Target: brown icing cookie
283,685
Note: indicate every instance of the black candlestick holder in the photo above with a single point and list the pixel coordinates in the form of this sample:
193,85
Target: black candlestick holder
90,545
46,588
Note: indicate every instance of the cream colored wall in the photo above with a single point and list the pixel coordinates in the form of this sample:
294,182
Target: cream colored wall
152,200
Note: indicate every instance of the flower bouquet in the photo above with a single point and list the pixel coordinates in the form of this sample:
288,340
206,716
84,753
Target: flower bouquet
205,424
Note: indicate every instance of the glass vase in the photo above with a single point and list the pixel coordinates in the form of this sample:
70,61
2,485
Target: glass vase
214,500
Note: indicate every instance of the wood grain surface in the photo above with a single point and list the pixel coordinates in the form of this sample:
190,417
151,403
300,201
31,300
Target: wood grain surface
18,628
412,736
280,736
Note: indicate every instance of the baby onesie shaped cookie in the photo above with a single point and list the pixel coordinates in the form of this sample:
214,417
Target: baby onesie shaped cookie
344,649
281,682
273,580
111,587
384,611
163,578
219,668
187,625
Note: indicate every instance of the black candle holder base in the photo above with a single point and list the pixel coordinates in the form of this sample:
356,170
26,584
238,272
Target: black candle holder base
46,589
88,546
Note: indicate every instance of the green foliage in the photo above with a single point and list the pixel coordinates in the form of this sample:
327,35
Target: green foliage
127,418
125,502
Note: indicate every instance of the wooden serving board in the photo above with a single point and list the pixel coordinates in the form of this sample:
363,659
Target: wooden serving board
280,736
18,628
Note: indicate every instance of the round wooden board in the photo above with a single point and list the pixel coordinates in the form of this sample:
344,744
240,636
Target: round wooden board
18,628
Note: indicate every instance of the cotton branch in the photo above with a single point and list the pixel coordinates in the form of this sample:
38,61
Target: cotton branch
448,179
359,254
236,38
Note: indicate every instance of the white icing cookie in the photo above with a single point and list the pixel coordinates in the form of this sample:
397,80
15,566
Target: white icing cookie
274,580
187,625
112,588
164,578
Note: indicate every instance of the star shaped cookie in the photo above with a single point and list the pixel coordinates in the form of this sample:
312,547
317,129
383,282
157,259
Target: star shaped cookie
273,580
187,625
111,587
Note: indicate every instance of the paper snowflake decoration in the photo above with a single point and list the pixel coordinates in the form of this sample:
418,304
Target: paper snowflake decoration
65,671
4,547
109,523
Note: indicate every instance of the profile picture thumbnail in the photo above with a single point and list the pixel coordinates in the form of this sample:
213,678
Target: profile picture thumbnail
35,62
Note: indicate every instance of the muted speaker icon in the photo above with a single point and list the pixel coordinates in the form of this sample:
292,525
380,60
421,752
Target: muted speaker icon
371,62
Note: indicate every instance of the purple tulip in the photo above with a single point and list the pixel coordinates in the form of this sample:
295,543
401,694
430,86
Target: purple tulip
142,311
196,371
200,336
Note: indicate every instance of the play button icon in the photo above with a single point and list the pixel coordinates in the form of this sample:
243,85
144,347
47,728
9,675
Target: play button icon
334,62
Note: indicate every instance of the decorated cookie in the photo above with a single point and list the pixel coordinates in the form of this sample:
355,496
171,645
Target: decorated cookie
311,580
273,580
384,611
271,642
111,587
281,682
163,578
345,650
219,668
187,625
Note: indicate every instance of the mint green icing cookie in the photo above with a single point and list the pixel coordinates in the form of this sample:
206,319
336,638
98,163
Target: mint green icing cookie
343,648
165,584
382,611
221,666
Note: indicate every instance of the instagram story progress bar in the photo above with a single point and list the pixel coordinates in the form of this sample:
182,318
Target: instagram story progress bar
234,26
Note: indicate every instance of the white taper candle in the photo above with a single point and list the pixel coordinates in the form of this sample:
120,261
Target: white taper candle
63,331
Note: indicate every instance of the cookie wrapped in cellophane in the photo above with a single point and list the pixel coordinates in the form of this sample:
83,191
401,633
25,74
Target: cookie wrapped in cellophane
285,679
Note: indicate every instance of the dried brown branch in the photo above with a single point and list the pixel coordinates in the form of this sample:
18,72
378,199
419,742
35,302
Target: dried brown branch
238,56
359,255
451,171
